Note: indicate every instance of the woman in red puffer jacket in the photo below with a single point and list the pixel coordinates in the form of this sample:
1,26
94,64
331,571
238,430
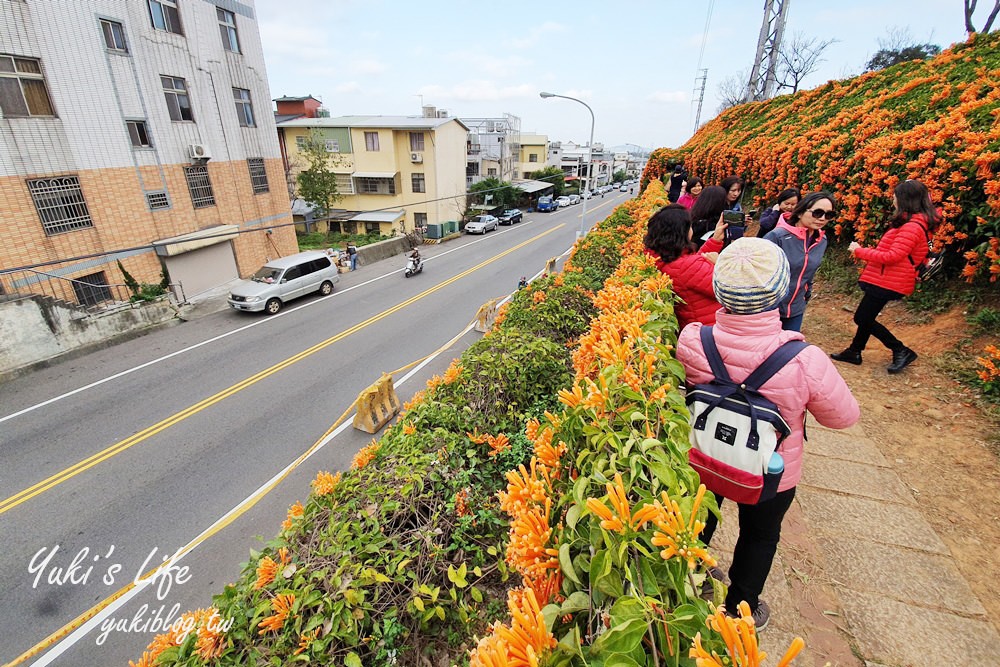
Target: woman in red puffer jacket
668,240
890,271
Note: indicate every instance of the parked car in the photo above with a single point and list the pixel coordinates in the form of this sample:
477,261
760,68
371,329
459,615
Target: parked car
545,203
587,194
562,201
574,199
284,279
482,224
510,216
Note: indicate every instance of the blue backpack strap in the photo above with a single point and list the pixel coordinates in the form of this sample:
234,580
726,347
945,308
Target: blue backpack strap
774,363
713,356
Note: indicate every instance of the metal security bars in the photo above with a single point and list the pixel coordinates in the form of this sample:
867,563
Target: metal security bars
258,175
199,186
60,204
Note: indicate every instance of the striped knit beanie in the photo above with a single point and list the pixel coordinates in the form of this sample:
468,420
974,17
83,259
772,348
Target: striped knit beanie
751,276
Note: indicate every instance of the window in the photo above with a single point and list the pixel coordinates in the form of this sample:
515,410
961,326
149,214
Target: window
376,186
532,157
345,184
92,289
165,15
178,102
332,146
138,133
416,141
300,142
244,109
227,28
417,183
258,175
114,35
60,204
420,220
373,228
199,186
22,88
371,141
472,169
491,171
157,200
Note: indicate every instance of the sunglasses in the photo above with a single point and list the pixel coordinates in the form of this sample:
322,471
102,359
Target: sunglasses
819,214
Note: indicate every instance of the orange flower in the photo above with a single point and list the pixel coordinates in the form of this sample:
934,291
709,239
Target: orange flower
305,639
622,516
524,487
538,297
530,534
454,370
680,537
365,456
267,570
497,444
461,498
147,660
210,638
523,643
325,483
409,428
282,606
294,512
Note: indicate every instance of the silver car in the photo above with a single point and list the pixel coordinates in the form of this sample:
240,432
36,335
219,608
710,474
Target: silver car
482,224
284,279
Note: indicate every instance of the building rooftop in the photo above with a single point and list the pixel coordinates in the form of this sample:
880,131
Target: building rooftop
295,99
395,122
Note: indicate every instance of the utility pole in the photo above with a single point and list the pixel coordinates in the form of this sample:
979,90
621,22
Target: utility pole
765,62
701,98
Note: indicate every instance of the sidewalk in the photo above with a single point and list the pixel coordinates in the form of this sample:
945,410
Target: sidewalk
860,575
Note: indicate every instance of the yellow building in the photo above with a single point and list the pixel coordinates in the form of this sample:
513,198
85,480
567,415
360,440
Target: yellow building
394,173
533,155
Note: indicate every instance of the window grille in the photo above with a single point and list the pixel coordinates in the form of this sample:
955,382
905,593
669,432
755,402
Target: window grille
60,203
376,186
258,175
345,184
92,289
157,200
199,186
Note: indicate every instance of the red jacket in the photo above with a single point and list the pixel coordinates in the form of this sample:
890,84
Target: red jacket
892,263
691,274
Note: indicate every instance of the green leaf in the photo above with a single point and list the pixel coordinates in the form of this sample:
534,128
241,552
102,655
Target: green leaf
418,604
476,594
577,601
626,609
621,638
573,515
352,660
566,564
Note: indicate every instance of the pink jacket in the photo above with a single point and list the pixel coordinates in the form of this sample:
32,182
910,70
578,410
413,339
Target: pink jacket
808,382
686,200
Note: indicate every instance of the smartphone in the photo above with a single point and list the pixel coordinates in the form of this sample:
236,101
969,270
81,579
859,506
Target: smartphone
753,213
734,232
732,217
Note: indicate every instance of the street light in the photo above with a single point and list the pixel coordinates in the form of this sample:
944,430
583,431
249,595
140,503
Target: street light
590,154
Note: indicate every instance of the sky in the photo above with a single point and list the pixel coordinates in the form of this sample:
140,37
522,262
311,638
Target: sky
634,62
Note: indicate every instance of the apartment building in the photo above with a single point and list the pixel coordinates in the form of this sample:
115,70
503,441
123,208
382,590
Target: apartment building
493,149
533,155
394,173
136,131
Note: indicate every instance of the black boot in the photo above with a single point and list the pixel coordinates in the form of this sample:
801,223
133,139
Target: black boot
901,358
850,356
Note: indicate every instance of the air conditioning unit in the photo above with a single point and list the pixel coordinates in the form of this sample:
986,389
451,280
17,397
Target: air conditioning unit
416,157
199,152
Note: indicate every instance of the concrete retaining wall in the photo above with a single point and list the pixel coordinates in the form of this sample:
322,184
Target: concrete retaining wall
35,329
368,254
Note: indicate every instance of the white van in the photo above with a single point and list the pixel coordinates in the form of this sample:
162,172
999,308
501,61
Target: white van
284,279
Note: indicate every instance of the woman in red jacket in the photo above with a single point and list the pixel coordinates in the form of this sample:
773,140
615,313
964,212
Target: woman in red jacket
668,240
890,272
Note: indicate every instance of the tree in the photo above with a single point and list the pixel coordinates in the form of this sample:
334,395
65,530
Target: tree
798,59
500,193
317,183
899,46
734,89
970,7
618,176
553,175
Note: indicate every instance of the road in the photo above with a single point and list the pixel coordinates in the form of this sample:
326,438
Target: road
100,486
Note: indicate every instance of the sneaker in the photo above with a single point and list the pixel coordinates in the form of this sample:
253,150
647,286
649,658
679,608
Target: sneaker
848,356
761,615
901,358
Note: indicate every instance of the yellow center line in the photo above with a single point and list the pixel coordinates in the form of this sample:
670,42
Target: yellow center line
119,447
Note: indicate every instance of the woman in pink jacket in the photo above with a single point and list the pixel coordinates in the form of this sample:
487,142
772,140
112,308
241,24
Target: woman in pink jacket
750,279
890,272
668,241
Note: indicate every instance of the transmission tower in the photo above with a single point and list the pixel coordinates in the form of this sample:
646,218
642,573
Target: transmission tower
765,63
701,97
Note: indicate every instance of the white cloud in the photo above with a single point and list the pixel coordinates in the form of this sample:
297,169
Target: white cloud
477,91
667,97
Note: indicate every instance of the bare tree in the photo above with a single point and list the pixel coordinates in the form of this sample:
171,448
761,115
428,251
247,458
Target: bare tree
799,58
734,89
899,46
970,7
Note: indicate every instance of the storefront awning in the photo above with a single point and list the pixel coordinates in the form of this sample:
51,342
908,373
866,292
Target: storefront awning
379,216
374,174
531,187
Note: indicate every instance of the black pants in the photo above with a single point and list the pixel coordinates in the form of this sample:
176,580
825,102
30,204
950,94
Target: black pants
871,305
760,531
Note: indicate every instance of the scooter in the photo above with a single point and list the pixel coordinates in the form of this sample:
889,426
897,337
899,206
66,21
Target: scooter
414,266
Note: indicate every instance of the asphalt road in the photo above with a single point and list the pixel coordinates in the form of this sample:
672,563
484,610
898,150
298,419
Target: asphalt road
100,486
